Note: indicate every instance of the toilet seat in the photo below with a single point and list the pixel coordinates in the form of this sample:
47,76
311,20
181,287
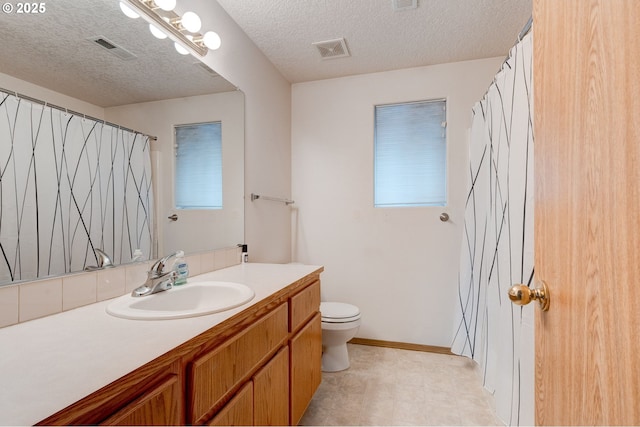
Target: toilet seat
339,312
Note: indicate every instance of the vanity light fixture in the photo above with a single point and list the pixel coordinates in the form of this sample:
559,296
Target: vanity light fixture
190,21
157,33
128,11
167,5
211,39
180,49
182,30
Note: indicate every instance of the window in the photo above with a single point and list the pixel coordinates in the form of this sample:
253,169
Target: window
410,154
198,176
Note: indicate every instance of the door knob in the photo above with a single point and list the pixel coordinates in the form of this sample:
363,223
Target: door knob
523,295
173,217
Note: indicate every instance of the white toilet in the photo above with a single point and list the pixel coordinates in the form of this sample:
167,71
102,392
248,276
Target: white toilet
340,323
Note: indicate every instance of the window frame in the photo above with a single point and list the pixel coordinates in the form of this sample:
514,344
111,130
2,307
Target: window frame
445,203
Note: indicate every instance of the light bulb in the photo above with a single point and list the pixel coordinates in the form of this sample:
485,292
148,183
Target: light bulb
167,5
212,40
191,22
181,50
156,32
128,11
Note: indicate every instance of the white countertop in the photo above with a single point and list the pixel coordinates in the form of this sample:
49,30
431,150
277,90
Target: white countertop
49,363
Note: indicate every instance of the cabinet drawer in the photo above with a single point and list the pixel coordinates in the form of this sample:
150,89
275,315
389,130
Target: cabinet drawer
158,406
304,305
239,410
221,370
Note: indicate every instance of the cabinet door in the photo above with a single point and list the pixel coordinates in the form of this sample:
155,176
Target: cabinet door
216,373
271,391
306,364
239,410
158,406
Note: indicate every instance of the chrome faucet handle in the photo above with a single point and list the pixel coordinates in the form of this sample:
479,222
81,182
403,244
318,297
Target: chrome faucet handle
157,279
103,260
155,284
158,267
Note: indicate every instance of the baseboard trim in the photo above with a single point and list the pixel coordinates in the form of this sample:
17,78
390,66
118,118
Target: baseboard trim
402,345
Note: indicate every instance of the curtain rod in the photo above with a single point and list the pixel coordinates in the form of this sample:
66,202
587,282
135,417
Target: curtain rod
75,113
525,29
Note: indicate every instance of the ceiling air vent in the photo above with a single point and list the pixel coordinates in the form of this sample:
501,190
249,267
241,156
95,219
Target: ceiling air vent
399,5
331,49
113,48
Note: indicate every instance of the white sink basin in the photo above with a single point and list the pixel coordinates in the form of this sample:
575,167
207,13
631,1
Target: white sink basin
189,300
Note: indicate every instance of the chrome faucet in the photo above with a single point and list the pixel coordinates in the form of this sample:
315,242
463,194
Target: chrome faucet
103,260
157,279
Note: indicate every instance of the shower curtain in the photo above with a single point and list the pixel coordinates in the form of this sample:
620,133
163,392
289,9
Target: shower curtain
69,184
497,246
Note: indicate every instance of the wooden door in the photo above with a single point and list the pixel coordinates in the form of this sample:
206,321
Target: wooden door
587,213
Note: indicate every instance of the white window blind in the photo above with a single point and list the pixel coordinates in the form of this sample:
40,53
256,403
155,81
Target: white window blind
410,154
198,173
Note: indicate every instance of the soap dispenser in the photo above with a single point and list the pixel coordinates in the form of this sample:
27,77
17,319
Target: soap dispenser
181,268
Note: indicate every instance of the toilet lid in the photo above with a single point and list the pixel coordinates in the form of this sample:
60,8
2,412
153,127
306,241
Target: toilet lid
339,312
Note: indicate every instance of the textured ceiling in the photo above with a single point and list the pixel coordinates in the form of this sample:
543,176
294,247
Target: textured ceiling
51,50
379,39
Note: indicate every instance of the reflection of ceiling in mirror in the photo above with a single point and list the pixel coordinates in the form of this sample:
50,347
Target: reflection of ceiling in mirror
52,50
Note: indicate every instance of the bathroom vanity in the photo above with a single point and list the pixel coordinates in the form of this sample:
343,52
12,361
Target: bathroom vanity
258,364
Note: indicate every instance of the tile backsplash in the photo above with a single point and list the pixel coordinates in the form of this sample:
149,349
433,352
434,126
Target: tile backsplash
31,300
39,298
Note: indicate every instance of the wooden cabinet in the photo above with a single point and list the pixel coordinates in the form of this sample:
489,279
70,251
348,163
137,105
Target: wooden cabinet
282,387
215,374
259,367
303,306
160,405
305,347
271,392
306,363
153,394
263,400
239,410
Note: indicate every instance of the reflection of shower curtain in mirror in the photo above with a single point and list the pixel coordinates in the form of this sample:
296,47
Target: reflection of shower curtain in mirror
497,247
68,184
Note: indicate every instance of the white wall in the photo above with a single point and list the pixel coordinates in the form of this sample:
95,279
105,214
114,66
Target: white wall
399,265
267,131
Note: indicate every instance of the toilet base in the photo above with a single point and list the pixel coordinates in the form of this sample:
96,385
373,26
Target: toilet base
335,358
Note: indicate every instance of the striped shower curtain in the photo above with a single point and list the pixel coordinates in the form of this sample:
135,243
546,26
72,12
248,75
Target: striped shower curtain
497,246
69,184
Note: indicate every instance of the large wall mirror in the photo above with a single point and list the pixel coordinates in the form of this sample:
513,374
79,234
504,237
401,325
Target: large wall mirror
111,68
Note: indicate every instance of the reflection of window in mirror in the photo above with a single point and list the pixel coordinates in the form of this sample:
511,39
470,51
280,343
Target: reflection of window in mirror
198,171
